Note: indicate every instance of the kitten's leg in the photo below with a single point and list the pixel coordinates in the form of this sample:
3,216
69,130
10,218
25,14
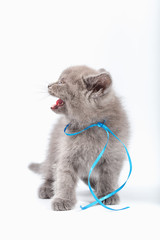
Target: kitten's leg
92,182
46,189
64,186
49,166
105,185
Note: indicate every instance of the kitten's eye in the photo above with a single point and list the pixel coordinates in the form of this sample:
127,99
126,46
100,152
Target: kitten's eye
61,81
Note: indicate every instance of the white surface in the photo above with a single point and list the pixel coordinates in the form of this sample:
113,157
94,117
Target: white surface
27,217
38,40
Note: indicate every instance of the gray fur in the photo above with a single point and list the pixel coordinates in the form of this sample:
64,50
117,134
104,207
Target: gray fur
35,167
89,98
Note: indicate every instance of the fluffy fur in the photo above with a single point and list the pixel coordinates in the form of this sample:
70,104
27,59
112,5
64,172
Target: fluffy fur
88,98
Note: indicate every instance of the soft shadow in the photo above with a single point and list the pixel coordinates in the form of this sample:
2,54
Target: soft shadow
142,194
132,194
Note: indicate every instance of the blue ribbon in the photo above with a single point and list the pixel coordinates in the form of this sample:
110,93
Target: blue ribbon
102,125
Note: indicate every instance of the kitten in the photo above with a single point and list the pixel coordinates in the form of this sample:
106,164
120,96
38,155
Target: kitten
86,97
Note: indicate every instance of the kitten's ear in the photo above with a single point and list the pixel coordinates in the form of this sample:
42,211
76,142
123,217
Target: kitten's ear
99,84
102,70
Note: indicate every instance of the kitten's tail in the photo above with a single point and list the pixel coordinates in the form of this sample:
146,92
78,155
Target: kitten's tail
35,167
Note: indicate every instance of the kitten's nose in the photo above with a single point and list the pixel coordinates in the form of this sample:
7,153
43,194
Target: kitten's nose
49,86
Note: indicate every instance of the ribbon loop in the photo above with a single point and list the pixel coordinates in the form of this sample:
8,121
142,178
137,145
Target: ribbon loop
99,124
100,201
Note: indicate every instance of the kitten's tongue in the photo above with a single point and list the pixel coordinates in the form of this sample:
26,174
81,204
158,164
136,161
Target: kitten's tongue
59,103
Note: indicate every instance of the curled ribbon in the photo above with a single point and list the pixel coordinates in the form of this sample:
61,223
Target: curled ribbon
100,201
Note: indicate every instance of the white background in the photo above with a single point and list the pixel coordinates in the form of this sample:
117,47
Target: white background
39,39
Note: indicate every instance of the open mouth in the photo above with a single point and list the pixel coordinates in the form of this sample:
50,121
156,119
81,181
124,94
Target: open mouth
59,104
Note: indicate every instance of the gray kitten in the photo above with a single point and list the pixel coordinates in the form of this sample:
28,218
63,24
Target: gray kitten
86,97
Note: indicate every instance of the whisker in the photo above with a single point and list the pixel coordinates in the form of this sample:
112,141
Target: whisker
41,90
37,91
44,97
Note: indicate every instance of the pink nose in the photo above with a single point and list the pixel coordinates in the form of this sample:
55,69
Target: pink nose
50,85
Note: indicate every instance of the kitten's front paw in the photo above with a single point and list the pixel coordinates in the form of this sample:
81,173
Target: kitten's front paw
113,200
60,204
45,191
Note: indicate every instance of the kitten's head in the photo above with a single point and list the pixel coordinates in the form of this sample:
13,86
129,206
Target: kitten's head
82,92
